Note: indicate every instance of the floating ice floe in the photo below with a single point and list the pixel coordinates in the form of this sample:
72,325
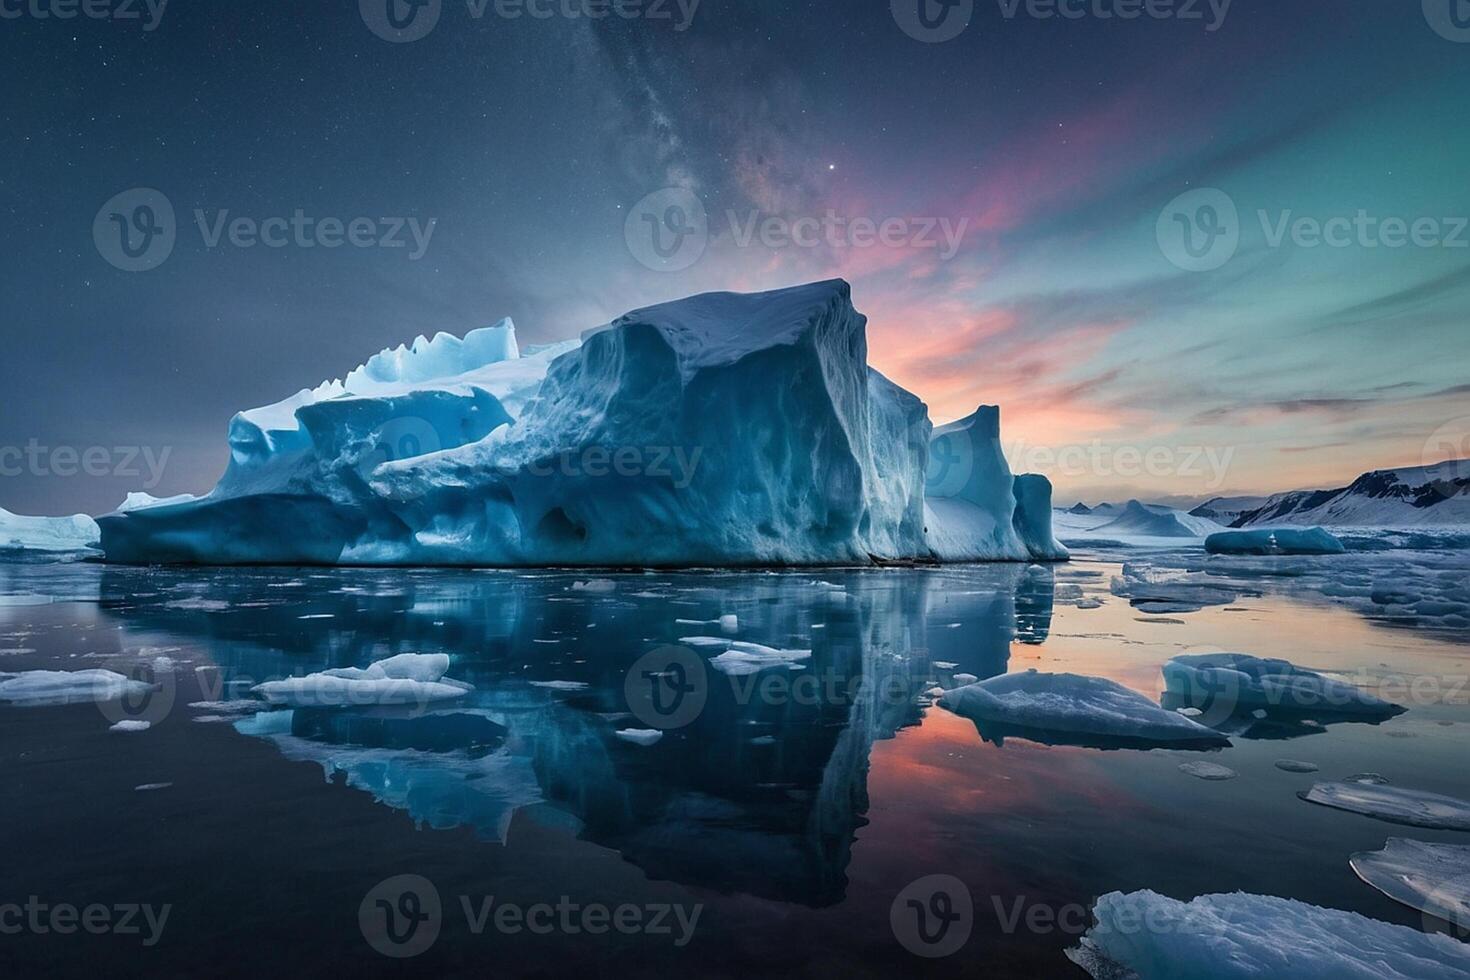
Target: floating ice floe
595,585
640,736
1148,936
1073,709
561,685
409,678
131,725
1207,770
748,658
1243,684
1433,878
45,688
1292,765
1274,541
1406,806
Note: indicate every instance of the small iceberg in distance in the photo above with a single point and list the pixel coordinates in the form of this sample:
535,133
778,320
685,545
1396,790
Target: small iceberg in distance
1392,804
1072,709
1230,684
1149,936
1274,541
409,678
52,688
1432,878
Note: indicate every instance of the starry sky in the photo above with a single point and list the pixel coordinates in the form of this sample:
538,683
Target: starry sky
1065,156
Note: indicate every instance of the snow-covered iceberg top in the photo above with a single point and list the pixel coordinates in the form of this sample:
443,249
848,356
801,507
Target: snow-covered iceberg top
1231,683
1224,937
1074,709
721,429
47,534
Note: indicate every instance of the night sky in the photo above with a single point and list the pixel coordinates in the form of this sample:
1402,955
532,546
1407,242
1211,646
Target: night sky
1052,146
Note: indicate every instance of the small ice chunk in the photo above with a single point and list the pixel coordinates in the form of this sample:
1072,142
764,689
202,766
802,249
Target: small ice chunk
1207,770
131,725
1395,805
149,787
43,688
1371,778
963,679
1292,765
561,685
1247,937
748,658
730,623
408,678
595,585
640,736
704,641
1432,878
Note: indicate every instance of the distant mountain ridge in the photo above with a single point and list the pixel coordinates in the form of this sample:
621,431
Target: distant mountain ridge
1418,496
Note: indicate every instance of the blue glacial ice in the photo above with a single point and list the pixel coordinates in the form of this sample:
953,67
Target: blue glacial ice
722,429
1274,541
1073,709
1234,683
1429,877
48,535
1221,937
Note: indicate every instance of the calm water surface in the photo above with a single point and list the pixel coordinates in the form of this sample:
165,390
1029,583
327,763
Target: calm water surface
788,814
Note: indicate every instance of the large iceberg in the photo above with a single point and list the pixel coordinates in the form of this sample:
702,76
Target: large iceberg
1214,937
722,429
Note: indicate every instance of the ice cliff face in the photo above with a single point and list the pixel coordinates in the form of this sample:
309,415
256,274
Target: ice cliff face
720,429
975,509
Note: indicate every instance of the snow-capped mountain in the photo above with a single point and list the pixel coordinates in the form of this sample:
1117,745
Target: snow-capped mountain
1226,510
1419,496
